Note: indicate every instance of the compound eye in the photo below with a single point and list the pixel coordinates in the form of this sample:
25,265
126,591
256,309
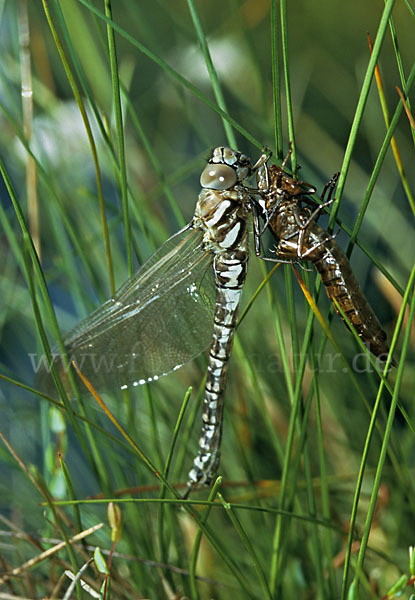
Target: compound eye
218,177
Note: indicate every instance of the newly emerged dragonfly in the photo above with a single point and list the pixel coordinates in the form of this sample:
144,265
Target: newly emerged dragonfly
301,238
183,298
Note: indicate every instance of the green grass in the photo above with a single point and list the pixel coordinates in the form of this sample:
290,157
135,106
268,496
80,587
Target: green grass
318,447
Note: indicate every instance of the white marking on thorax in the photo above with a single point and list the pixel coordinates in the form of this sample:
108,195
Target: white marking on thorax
231,236
218,213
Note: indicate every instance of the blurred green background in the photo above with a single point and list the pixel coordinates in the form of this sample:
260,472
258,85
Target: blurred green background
169,129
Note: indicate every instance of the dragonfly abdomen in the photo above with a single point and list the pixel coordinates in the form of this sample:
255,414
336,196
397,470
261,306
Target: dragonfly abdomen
230,269
207,460
341,285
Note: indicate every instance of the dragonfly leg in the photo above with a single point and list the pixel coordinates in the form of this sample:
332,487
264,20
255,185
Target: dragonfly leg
256,210
278,258
263,159
329,188
312,215
314,247
259,231
281,258
310,189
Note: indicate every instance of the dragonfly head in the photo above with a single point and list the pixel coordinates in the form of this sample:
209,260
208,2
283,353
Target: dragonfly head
225,168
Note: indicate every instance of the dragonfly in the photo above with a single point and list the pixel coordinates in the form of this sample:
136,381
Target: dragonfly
184,298
301,238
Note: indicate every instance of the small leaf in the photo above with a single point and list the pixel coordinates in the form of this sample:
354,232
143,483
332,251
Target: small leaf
56,420
100,563
399,587
115,520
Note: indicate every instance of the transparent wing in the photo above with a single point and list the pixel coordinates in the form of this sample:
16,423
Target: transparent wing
158,320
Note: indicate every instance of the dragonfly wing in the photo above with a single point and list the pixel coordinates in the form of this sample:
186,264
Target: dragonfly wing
158,320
